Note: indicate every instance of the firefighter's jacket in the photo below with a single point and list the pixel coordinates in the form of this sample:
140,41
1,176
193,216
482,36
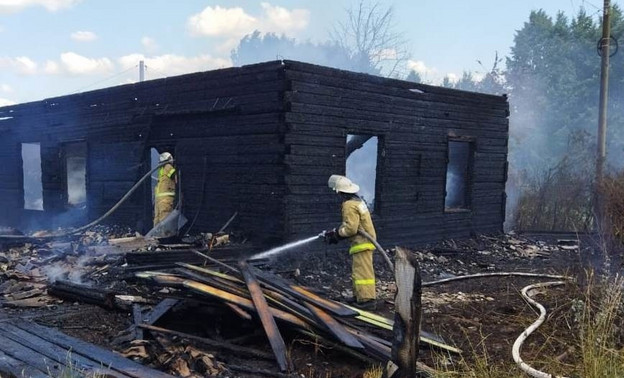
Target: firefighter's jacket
355,215
166,186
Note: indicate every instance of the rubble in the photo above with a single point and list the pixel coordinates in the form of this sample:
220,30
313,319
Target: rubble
176,284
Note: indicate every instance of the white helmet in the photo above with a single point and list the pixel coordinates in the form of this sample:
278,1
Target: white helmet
165,156
342,184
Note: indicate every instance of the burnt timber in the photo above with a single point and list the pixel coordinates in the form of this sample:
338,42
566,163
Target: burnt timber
30,350
266,137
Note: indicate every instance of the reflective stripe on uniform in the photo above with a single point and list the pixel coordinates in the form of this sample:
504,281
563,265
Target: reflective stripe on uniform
370,281
161,172
165,194
357,248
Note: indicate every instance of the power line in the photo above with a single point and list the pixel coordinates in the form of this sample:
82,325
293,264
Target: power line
161,73
104,80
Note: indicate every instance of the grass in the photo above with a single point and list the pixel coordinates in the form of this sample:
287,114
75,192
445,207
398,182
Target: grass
72,370
600,344
590,329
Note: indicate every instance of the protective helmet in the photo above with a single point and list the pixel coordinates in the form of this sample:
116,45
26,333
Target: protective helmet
342,184
165,156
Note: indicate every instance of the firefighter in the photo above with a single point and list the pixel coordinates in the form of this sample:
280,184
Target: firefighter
165,189
355,215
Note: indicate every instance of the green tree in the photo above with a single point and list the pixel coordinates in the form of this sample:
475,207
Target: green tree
256,47
414,77
553,77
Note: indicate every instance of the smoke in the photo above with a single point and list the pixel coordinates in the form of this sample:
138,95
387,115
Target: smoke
33,188
68,270
454,190
76,180
361,168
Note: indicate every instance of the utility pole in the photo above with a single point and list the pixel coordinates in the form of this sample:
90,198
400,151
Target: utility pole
141,70
602,115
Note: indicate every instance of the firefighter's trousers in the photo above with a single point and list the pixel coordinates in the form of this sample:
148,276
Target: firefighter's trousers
162,208
363,276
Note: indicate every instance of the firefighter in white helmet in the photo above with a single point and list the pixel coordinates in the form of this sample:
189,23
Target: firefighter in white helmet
165,189
355,215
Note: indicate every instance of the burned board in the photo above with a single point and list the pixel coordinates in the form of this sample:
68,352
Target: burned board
28,349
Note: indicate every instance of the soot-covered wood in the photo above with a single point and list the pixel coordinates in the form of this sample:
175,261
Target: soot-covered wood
262,140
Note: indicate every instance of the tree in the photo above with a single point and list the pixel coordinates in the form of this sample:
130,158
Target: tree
493,82
553,79
255,47
414,77
373,44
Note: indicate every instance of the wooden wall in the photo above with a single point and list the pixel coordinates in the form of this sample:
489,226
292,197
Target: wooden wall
229,118
263,140
413,123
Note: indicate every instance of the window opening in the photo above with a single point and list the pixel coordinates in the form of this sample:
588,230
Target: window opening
458,175
31,169
361,164
76,173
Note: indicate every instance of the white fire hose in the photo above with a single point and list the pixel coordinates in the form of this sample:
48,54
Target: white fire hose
515,350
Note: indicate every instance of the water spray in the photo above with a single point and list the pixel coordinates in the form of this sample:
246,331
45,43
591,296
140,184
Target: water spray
280,249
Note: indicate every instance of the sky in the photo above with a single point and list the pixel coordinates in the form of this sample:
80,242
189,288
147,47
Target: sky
58,47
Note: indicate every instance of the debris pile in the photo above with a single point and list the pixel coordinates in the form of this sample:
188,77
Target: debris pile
249,293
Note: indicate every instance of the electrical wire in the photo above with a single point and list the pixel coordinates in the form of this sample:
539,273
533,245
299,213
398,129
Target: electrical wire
104,80
159,72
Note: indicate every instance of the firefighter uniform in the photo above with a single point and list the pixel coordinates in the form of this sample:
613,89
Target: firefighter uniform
355,215
164,193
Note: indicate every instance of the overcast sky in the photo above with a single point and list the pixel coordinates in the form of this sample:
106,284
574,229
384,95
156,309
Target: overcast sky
57,47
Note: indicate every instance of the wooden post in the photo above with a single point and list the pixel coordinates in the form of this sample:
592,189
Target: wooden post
407,315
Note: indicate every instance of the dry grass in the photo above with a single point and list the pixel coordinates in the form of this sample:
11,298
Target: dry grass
601,333
590,329
375,371
613,195
556,199
72,370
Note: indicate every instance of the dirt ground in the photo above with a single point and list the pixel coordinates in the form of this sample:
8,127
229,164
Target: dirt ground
482,317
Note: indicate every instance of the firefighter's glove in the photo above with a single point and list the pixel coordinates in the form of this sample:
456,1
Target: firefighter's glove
332,236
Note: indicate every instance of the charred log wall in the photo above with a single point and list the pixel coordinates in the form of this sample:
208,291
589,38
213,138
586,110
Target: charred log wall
413,123
262,140
230,118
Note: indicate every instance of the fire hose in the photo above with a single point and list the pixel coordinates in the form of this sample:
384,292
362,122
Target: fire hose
95,222
379,247
515,350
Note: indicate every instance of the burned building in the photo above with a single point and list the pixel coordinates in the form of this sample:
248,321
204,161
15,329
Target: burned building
262,140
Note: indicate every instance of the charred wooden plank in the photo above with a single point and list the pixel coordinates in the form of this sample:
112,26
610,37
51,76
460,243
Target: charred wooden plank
48,351
137,317
242,302
222,345
13,367
334,327
82,293
93,352
268,322
407,314
159,310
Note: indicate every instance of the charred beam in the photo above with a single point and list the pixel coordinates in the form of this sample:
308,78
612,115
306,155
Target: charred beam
82,293
268,322
223,345
407,314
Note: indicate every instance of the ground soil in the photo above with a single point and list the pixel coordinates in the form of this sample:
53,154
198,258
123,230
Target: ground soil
482,317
